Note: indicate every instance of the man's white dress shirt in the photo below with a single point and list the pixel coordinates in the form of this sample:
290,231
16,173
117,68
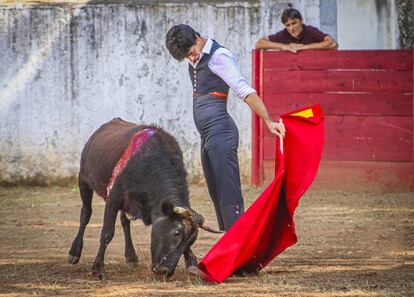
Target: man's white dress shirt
224,64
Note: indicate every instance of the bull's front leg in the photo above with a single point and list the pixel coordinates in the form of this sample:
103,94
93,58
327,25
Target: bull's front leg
130,255
108,231
191,263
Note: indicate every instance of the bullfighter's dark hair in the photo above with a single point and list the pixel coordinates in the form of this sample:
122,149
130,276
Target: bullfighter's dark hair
180,38
290,13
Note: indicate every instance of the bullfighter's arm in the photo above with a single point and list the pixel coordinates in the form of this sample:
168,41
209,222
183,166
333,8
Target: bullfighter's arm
257,105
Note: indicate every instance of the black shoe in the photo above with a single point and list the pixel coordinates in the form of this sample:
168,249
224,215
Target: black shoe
244,272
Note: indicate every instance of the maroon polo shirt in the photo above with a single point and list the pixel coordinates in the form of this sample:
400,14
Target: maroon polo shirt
309,35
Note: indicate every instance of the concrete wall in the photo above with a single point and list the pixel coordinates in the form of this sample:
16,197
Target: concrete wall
328,17
367,24
66,69
405,12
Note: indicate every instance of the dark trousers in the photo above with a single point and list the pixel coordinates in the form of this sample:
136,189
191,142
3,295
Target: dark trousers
219,143
221,171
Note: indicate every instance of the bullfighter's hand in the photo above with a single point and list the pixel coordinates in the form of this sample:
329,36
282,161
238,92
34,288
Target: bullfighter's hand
277,128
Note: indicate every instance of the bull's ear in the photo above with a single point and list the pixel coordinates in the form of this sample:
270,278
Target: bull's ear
167,208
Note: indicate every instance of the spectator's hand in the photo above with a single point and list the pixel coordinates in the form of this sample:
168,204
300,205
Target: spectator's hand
277,128
290,47
299,46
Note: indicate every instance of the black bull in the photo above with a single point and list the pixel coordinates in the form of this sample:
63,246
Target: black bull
152,187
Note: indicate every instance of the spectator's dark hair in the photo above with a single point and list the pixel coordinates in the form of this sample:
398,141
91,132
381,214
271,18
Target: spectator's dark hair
290,13
180,38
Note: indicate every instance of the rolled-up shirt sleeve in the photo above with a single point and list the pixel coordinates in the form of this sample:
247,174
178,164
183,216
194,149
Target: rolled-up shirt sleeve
224,64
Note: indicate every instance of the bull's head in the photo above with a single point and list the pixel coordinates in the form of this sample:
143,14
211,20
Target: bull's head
172,234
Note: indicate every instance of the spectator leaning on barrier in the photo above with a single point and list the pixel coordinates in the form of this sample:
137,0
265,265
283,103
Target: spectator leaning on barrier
213,69
296,36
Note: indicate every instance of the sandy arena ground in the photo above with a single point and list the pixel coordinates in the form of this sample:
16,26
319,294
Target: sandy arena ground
350,244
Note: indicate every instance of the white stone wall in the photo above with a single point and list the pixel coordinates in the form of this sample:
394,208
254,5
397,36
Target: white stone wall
328,17
364,24
66,69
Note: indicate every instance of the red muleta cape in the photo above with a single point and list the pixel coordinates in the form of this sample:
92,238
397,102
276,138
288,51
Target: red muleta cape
267,228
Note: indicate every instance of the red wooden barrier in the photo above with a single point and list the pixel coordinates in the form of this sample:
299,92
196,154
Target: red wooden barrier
367,98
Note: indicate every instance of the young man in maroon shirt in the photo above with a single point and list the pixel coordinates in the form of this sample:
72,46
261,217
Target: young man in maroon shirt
296,36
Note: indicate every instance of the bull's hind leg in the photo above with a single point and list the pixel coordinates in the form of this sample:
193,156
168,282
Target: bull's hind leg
130,255
86,194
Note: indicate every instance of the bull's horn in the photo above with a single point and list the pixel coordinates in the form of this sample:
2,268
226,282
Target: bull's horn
199,221
210,229
183,212
197,218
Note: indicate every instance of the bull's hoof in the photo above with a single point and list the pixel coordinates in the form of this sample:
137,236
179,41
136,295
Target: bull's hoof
193,270
99,271
73,259
101,275
132,261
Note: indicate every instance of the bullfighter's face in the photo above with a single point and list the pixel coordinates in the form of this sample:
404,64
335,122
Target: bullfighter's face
171,236
195,51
